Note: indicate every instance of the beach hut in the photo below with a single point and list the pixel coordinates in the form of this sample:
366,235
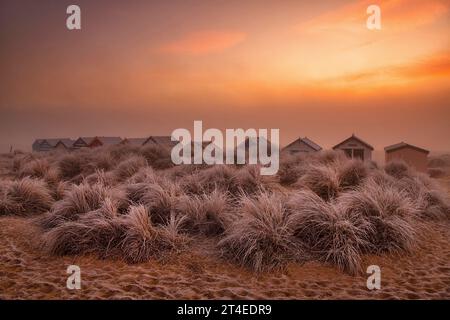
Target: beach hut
63,144
105,141
83,142
92,142
36,146
134,141
42,145
355,148
163,141
301,146
216,150
254,143
414,156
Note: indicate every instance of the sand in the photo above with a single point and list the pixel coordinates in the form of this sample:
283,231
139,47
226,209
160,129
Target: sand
27,273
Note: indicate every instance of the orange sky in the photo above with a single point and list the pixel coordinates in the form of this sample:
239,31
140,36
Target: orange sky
147,67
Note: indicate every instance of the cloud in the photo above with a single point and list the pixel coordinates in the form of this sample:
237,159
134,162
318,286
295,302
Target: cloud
396,15
436,66
203,42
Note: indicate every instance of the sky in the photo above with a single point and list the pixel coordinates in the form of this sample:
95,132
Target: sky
309,68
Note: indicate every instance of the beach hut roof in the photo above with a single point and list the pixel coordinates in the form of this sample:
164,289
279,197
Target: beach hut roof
404,145
108,141
54,141
353,137
308,142
160,140
135,141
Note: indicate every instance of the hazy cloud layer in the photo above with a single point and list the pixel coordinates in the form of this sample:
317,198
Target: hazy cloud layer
148,67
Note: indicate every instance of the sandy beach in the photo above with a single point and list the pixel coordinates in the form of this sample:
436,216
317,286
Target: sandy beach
26,273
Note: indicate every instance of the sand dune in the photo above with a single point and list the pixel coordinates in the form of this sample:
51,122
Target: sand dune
323,209
27,273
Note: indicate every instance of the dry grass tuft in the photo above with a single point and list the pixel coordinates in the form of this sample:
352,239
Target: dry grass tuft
250,181
352,173
161,200
261,238
398,169
390,213
431,201
291,168
220,177
207,214
25,197
35,169
79,200
122,151
97,231
143,241
127,168
328,157
323,180
328,234
158,157
71,165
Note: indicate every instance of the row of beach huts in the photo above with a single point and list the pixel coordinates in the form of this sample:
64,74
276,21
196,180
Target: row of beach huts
353,147
40,145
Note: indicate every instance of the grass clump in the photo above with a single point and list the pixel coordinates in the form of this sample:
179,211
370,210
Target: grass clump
25,197
262,237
